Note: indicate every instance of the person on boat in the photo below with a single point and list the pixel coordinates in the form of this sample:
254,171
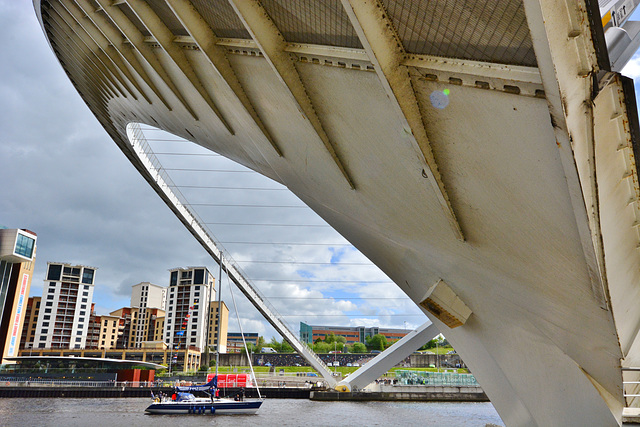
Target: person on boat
174,397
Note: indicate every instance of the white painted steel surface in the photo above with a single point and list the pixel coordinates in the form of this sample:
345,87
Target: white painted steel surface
389,358
548,265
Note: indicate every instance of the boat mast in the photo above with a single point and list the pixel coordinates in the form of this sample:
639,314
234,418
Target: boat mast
218,313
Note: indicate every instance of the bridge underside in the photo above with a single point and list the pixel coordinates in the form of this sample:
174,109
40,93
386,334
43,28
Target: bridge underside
483,144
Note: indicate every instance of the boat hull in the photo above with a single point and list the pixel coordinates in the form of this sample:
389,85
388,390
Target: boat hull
202,408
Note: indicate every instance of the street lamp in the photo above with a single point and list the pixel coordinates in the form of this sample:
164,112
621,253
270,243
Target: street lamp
437,356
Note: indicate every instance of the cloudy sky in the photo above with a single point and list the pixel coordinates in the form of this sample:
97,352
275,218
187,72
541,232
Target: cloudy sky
63,178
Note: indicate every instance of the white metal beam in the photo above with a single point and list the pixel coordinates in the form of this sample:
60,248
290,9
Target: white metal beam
91,50
207,42
565,52
106,87
272,44
136,38
101,28
376,33
389,358
106,51
164,37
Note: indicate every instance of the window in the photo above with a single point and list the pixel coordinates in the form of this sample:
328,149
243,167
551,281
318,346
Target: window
24,246
79,339
87,276
194,326
84,300
45,324
47,317
44,331
52,290
196,294
174,279
198,276
194,333
85,294
114,323
41,345
79,333
55,270
47,310
104,336
102,342
84,306
104,330
82,313
50,296
49,304
80,319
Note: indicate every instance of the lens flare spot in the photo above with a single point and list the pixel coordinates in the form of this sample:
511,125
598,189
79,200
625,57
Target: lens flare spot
439,99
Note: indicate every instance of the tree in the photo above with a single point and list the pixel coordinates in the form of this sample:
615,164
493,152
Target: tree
322,347
329,339
376,342
285,347
358,347
275,344
260,344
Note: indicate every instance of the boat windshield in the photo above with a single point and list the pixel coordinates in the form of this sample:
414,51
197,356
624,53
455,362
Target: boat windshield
185,396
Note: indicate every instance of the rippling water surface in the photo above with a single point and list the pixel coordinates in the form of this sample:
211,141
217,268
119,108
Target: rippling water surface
274,412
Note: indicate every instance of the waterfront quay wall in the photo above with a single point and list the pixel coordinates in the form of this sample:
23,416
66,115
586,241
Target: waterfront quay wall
425,394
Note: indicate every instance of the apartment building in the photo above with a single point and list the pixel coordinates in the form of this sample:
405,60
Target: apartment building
30,322
188,307
213,325
63,321
150,301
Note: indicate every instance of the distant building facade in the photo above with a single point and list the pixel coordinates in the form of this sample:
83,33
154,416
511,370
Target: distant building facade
30,322
17,261
224,325
234,340
311,333
150,301
63,321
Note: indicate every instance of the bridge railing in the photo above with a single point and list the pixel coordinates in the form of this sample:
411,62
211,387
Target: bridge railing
172,195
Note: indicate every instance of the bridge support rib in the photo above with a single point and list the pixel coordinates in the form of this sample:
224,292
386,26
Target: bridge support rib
207,42
137,40
165,39
101,29
273,46
386,52
389,358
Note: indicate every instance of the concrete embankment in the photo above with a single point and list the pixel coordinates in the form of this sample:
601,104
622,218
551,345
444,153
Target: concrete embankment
406,394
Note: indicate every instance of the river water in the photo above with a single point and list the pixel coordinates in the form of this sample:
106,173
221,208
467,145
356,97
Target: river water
274,412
